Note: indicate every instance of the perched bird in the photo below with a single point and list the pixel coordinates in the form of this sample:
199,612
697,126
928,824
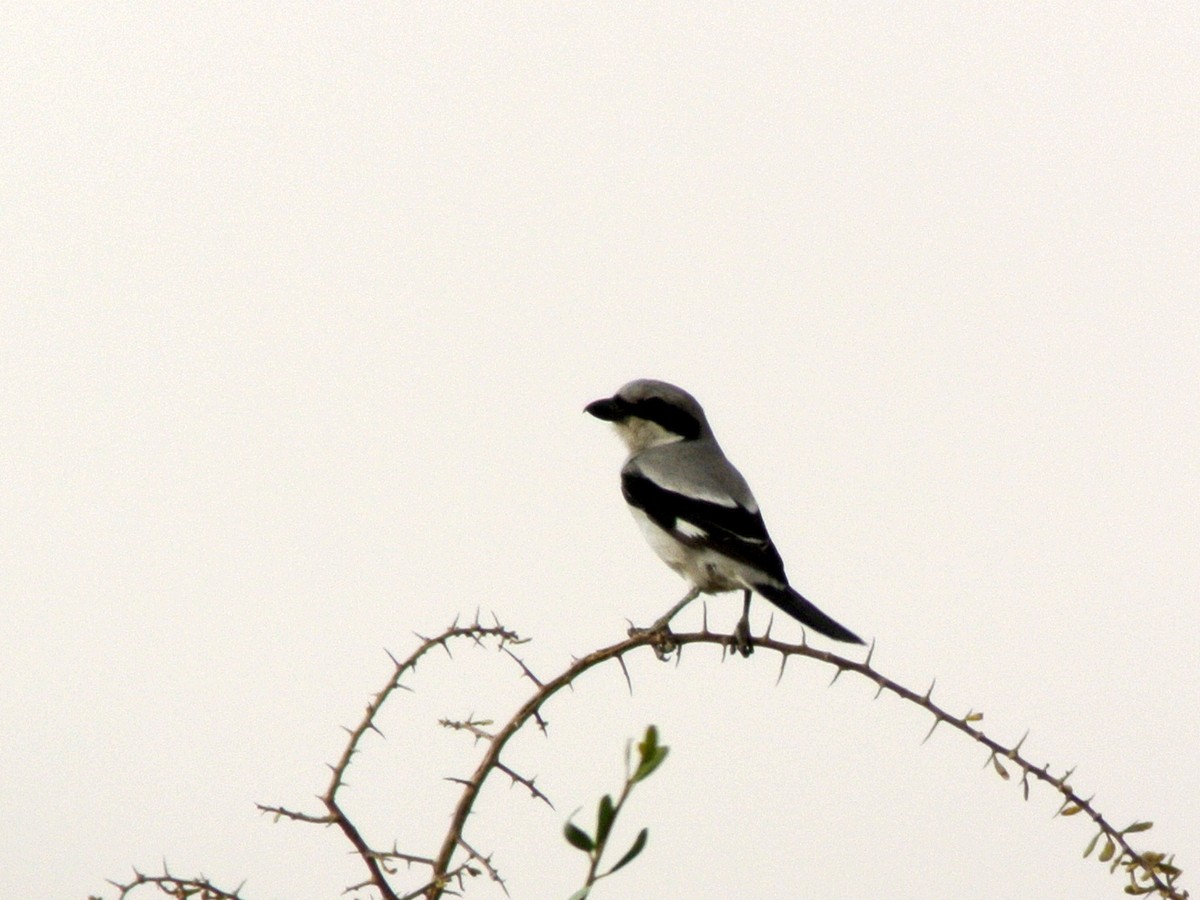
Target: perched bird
695,508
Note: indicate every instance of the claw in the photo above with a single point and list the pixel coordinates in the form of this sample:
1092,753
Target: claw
741,634
662,641
741,638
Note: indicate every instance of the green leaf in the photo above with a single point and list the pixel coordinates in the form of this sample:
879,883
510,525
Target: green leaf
649,743
580,894
1072,810
650,755
1091,845
1109,849
639,844
1138,826
604,818
577,837
649,763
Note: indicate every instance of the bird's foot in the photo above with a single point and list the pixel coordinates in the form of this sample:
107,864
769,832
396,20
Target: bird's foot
662,641
740,640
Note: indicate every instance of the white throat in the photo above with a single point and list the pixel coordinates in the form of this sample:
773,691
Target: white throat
641,434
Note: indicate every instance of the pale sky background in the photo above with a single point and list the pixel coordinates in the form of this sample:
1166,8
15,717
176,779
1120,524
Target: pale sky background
301,306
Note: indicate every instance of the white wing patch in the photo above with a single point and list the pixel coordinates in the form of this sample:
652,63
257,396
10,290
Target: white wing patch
687,529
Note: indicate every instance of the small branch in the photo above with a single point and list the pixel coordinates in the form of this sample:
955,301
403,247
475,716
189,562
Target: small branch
471,727
176,887
486,862
527,782
280,812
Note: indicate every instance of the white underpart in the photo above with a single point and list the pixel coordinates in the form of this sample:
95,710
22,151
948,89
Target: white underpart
706,569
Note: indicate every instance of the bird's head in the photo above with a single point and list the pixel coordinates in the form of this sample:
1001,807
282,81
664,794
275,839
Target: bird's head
648,413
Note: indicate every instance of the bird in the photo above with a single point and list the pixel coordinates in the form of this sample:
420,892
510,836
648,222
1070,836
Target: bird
696,510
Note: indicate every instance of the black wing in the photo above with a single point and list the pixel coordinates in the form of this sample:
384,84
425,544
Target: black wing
732,531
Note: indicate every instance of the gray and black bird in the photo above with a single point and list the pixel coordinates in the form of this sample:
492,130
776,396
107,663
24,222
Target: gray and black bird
695,508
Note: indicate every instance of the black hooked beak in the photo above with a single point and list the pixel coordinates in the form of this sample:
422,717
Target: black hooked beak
610,409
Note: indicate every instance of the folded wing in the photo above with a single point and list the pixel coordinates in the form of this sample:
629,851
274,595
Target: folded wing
715,522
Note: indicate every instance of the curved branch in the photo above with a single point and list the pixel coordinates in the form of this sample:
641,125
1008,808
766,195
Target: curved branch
491,758
1148,872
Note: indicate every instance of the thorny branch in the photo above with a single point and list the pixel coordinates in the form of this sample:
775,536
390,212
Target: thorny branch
199,888
334,813
1149,873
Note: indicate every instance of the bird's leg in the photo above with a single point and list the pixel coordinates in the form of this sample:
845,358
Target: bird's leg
665,645
741,633
661,623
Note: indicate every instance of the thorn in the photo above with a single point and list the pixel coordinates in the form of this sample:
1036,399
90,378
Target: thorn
767,633
392,657
882,685
929,693
628,680
783,665
836,675
1012,754
870,653
936,723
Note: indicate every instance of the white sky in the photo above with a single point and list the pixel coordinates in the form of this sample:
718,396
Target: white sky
301,307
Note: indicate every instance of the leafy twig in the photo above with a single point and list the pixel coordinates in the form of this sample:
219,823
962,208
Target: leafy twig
650,757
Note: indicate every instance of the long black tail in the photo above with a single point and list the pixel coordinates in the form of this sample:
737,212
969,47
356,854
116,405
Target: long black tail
804,612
